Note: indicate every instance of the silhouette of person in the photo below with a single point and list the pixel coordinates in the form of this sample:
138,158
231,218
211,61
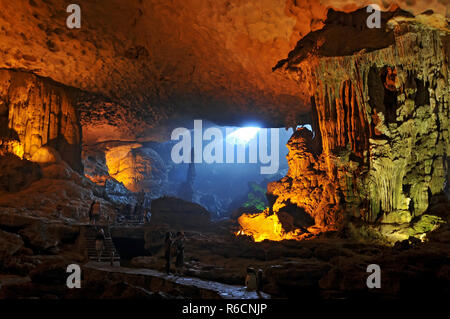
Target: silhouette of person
167,250
179,246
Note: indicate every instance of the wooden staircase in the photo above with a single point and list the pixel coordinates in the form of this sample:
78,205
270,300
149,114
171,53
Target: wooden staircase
109,254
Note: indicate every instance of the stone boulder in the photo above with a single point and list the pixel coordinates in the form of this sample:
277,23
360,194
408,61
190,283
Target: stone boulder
46,155
138,168
16,174
299,279
15,221
61,186
44,237
116,192
178,213
59,170
9,244
51,271
292,217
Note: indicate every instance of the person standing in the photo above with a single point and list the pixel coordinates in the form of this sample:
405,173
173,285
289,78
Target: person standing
100,243
167,250
259,280
251,279
179,246
94,212
91,214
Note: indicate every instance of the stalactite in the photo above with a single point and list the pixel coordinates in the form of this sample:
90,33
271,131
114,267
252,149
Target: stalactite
40,113
383,120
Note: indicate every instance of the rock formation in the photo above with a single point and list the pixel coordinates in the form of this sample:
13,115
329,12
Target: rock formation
381,119
137,167
83,112
38,113
16,173
179,214
166,59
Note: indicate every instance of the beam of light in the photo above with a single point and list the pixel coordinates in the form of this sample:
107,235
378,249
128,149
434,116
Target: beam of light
242,135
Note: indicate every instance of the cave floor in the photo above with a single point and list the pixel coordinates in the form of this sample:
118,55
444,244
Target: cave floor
170,283
318,268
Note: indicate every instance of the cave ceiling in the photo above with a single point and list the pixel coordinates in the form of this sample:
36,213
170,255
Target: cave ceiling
140,64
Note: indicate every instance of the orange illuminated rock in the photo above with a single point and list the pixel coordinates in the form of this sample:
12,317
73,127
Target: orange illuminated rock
138,168
169,58
40,113
262,226
308,184
46,155
381,117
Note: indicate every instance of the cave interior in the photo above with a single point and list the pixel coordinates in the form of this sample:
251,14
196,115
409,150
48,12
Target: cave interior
301,140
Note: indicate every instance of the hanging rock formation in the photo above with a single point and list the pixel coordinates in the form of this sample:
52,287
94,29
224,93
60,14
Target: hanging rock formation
381,119
37,117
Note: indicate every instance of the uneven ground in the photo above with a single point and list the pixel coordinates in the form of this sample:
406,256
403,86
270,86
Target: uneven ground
36,251
135,70
330,266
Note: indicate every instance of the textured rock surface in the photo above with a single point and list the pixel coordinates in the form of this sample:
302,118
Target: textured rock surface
9,244
62,186
42,236
138,168
307,184
16,173
40,113
381,122
166,59
318,268
46,155
179,214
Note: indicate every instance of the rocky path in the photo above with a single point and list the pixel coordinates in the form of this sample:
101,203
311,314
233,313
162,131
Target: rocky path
157,280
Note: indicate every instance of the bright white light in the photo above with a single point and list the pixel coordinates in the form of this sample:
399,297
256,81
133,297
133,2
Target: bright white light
242,135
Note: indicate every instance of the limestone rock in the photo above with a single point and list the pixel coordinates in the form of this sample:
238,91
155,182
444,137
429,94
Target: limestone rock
40,113
51,272
46,155
9,244
287,277
154,65
15,221
60,186
179,214
42,236
16,174
380,117
138,168
306,193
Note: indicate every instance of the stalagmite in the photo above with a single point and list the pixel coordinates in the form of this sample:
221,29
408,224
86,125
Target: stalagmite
382,117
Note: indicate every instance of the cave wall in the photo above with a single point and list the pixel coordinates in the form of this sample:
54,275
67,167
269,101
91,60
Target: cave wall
382,123
125,167
170,58
36,112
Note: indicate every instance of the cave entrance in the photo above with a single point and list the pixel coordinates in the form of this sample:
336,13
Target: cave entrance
235,178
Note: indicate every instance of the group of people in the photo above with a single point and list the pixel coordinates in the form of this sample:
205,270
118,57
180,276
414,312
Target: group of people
174,246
